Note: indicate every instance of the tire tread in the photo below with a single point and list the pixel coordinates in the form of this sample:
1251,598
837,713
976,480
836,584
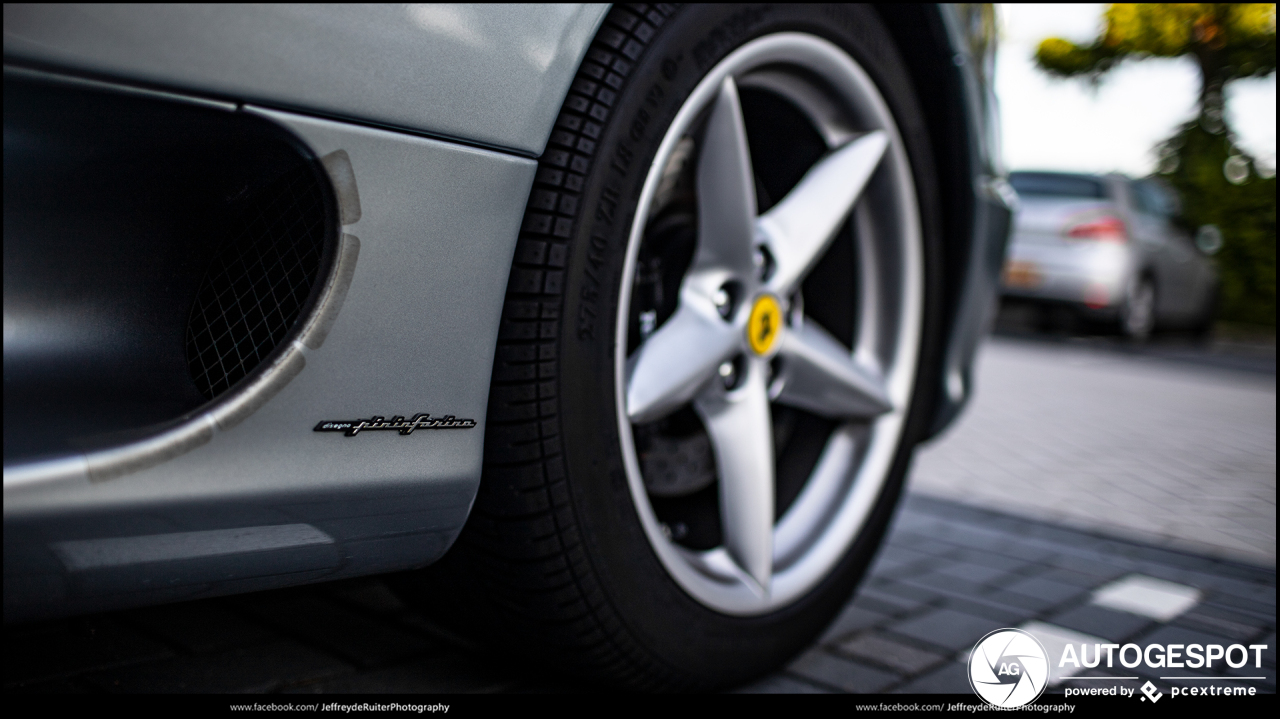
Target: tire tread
521,541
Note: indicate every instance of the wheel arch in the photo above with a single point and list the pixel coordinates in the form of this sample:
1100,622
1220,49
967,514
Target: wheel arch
950,66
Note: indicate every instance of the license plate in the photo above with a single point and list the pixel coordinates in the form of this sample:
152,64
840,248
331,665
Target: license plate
1022,274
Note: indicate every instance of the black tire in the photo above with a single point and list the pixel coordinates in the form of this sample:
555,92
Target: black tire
1137,315
1202,328
553,563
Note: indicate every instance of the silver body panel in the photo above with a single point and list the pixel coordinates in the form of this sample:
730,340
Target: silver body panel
398,66
1068,269
415,334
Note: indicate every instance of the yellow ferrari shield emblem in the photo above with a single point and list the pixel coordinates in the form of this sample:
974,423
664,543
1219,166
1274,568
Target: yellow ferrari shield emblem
764,325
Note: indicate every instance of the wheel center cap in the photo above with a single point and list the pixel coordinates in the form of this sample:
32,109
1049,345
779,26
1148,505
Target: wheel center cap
764,325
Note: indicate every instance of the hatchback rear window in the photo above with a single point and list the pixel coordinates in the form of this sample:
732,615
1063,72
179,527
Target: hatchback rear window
1057,185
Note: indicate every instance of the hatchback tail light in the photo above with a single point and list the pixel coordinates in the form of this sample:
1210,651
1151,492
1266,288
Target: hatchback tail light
1103,229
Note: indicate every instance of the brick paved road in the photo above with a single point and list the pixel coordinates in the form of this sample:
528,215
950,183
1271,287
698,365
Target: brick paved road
1145,445
948,573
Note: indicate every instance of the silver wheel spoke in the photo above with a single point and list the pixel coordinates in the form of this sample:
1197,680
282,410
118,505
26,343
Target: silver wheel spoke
726,190
742,439
677,360
820,376
800,226
740,283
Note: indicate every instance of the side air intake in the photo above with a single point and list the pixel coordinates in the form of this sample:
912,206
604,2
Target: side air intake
157,253
258,284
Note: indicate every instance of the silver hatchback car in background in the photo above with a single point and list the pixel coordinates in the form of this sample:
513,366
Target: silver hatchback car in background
1110,247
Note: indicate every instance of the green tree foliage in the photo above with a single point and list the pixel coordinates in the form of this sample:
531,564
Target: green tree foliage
1193,162
1227,41
1219,183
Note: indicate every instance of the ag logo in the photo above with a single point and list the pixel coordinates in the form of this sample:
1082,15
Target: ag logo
1008,668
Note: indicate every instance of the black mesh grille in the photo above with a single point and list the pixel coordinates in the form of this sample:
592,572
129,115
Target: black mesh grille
258,283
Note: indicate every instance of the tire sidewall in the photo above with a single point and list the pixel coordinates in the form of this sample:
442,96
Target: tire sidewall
692,640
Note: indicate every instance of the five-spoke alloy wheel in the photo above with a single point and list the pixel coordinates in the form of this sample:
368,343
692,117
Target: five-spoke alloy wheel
720,333
738,341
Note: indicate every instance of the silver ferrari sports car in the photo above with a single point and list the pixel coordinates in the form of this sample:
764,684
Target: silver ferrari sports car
606,332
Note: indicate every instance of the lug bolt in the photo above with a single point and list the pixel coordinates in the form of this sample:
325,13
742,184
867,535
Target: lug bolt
648,321
723,301
727,374
764,262
731,372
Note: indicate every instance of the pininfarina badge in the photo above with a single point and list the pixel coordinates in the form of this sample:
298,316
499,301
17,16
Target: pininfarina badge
352,427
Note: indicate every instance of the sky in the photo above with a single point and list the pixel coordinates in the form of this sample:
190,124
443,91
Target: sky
1059,124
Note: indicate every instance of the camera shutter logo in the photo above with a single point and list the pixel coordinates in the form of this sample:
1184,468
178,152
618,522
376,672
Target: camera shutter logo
1008,668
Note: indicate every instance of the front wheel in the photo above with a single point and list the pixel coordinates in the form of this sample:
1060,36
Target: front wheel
722,314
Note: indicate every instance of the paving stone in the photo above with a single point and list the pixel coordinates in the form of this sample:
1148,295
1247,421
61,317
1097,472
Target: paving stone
70,647
1096,567
995,561
890,654
1023,601
978,539
927,545
1242,604
1046,589
1106,623
818,666
902,555
971,572
946,628
907,592
1069,576
871,600
1024,551
980,607
943,584
203,626
1262,593
852,619
1217,620
1171,558
898,570
1245,572
1155,598
951,678
1061,535
247,669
